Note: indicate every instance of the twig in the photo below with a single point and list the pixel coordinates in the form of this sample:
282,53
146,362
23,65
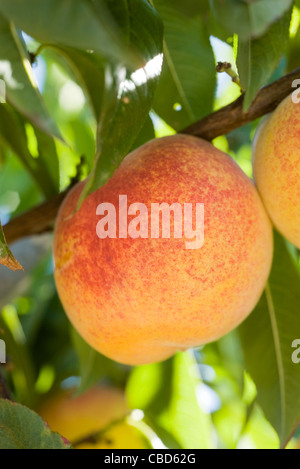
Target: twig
231,117
40,219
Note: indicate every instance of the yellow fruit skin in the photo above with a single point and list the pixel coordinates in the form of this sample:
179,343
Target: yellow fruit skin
141,300
79,417
276,164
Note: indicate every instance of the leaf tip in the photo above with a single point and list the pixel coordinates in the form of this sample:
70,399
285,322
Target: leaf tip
11,263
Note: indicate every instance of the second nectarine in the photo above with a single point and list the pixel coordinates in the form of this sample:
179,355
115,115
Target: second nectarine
276,163
93,420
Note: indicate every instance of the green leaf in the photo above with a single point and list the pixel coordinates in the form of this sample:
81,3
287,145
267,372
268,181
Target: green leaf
89,69
293,50
46,329
83,24
128,96
44,169
147,133
258,59
191,426
149,388
22,374
249,18
48,158
6,256
21,88
267,337
187,85
21,428
167,394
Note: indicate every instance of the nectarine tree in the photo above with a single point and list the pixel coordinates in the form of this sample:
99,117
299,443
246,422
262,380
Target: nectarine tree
160,266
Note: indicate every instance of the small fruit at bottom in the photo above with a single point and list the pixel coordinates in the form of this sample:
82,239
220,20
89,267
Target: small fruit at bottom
83,419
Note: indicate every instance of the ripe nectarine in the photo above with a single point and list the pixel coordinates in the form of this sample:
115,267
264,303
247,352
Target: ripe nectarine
78,418
141,300
276,164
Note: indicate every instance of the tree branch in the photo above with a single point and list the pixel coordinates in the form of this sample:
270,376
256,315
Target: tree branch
41,219
232,116
38,220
